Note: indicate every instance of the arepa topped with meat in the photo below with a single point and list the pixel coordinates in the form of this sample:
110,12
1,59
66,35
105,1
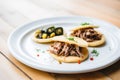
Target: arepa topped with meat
68,49
89,34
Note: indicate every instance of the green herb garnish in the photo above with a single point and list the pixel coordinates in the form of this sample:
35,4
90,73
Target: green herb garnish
43,51
71,38
38,50
85,24
95,52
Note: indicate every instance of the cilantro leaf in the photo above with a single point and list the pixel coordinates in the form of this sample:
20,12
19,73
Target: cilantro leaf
38,50
95,52
85,24
71,38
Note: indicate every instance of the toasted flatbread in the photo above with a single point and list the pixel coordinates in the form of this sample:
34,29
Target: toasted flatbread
71,59
94,43
38,40
97,42
77,41
82,27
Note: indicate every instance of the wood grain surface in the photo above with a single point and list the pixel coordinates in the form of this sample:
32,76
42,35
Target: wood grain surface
14,13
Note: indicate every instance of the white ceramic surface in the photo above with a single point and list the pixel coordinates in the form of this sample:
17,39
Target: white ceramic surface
24,49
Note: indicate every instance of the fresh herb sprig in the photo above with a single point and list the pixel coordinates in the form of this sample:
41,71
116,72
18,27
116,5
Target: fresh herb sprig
85,24
95,52
38,50
71,38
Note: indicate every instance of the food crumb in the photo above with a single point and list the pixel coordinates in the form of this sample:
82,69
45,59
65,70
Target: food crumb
91,58
38,50
43,51
79,61
60,62
38,55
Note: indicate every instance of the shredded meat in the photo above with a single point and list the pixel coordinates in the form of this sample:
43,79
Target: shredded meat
65,49
88,34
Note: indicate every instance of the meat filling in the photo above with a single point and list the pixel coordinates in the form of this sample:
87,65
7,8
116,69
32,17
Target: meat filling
88,34
65,49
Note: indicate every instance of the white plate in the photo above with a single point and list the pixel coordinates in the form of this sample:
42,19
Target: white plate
24,49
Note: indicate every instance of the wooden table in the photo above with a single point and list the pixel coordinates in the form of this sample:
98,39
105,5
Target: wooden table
14,13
